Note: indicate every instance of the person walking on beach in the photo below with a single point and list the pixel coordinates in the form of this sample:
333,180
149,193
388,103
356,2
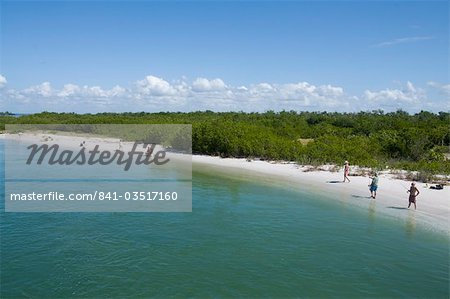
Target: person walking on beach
413,192
346,171
374,186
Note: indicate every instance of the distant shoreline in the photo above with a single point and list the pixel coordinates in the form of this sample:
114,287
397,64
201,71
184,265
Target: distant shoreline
399,140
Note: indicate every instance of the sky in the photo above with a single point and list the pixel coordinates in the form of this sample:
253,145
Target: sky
345,56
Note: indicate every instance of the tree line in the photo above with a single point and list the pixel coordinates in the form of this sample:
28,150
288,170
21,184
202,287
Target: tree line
371,139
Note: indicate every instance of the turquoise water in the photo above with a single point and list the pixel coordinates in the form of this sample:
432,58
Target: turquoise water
242,239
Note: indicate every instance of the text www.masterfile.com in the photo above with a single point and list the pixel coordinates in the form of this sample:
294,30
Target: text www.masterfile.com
97,195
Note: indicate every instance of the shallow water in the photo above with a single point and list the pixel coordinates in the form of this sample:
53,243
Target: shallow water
242,239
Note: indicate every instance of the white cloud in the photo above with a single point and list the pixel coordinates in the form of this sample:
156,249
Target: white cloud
155,86
405,98
331,91
258,91
44,97
69,90
263,87
98,92
2,81
203,84
156,94
43,89
15,95
301,87
117,91
302,92
444,88
301,95
402,41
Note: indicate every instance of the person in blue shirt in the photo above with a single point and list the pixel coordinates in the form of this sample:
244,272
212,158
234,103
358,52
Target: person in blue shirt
374,186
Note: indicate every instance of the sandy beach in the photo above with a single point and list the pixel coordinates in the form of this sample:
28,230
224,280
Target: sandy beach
433,206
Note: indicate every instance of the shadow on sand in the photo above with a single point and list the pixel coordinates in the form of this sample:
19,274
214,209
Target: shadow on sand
359,196
334,182
398,208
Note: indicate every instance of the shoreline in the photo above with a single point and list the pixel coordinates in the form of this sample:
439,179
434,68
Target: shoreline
433,206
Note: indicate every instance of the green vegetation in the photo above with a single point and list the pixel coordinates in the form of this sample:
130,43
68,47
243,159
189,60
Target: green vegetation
375,139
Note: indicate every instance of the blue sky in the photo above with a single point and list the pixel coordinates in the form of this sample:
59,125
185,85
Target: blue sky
236,55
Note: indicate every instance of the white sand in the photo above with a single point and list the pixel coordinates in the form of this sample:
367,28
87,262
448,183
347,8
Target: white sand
433,206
